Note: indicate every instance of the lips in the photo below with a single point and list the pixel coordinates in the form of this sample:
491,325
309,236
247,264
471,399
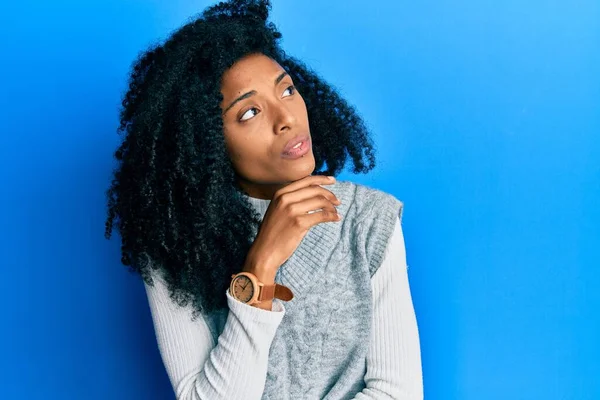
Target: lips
294,141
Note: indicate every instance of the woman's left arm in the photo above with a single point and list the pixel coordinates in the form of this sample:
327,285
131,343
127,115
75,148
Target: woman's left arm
394,357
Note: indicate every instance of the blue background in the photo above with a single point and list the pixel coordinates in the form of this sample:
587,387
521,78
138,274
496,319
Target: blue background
487,120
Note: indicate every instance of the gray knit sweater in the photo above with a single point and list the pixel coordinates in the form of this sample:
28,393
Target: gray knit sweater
319,344
320,348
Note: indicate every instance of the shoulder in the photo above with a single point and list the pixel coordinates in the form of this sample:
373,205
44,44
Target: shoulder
376,214
369,205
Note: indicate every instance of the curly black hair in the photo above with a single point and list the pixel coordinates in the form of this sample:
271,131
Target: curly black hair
174,175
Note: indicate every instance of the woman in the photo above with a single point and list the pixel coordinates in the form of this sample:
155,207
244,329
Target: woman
257,288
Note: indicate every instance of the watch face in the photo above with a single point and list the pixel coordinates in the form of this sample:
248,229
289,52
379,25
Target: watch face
243,289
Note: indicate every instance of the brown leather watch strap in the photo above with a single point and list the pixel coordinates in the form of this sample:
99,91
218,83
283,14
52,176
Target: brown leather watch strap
269,292
283,292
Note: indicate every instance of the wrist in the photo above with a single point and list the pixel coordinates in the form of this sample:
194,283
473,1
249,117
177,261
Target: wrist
260,269
265,305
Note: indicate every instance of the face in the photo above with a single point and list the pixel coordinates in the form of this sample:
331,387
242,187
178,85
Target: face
262,112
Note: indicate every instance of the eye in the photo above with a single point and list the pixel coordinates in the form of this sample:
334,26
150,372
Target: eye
249,114
293,90
242,119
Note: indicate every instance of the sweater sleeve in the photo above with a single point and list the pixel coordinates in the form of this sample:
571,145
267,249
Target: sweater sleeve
394,357
233,368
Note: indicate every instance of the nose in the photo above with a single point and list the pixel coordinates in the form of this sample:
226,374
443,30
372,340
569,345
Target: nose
284,118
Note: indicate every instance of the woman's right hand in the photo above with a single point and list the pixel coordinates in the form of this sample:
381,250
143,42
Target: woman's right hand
287,221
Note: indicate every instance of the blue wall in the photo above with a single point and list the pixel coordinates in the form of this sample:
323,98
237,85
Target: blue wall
487,120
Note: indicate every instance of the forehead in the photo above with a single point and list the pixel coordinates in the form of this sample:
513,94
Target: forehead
249,71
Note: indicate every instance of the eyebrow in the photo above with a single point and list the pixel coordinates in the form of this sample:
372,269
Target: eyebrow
253,92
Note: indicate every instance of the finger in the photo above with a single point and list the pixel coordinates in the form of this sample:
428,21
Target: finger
305,182
306,194
317,217
305,200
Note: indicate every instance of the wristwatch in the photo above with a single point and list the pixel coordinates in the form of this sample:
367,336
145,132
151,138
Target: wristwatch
246,287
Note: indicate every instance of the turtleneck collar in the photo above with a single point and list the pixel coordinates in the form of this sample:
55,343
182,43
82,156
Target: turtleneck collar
260,205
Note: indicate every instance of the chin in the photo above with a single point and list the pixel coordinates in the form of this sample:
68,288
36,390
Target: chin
295,174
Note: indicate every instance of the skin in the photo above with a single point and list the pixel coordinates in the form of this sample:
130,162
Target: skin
257,127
